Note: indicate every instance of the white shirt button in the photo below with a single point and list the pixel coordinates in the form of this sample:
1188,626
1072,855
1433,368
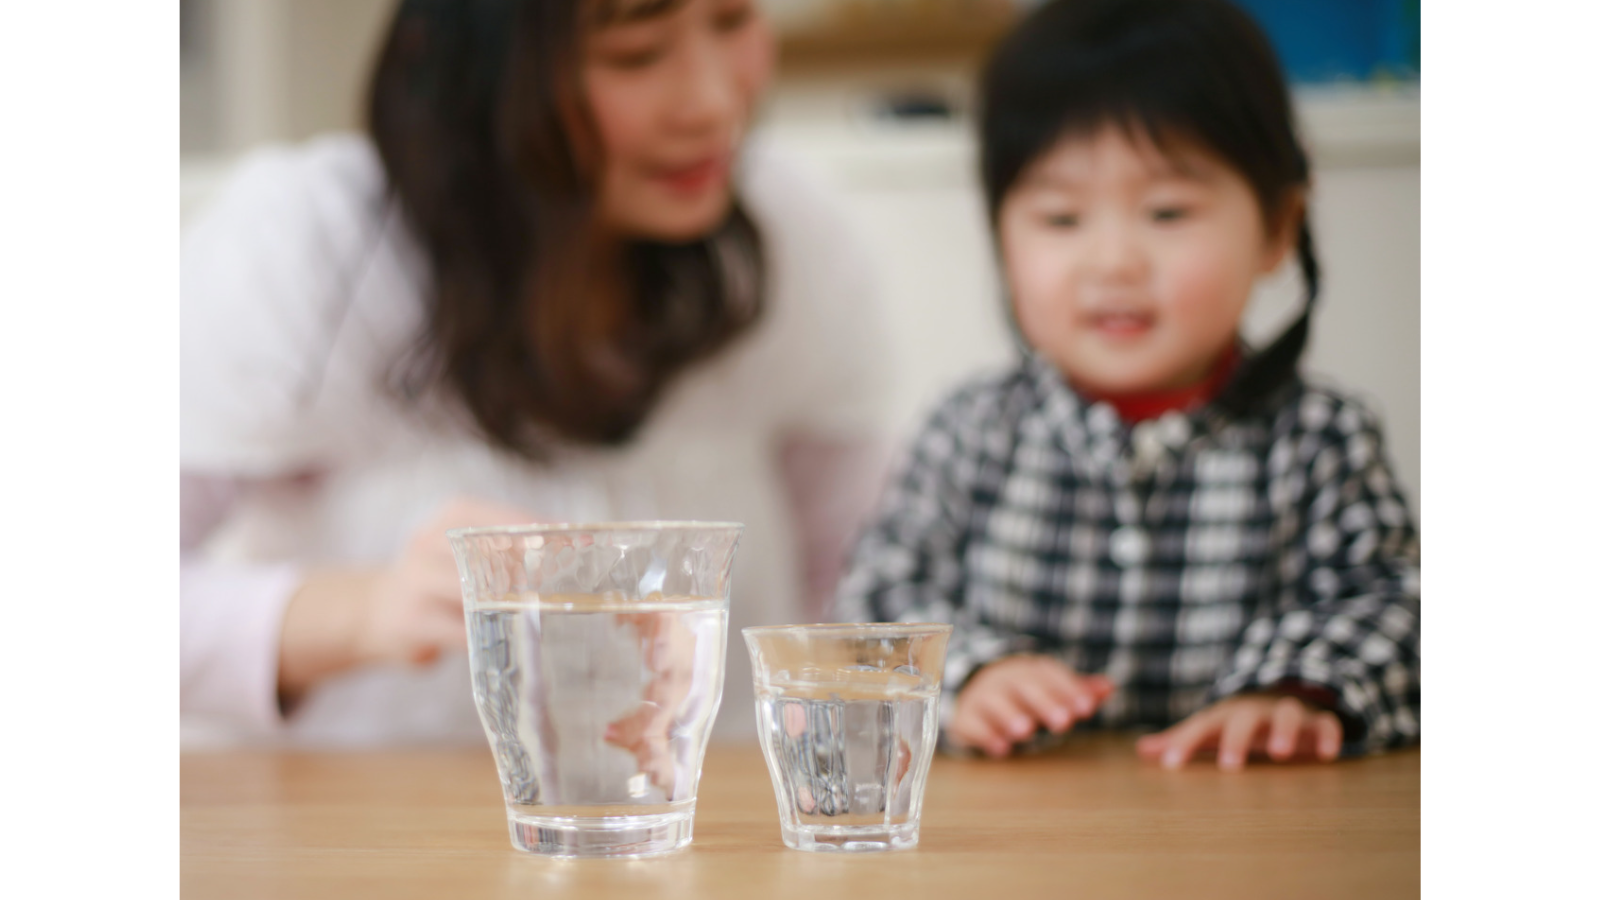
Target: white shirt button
1130,546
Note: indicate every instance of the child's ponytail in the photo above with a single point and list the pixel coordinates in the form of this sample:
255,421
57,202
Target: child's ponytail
1277,364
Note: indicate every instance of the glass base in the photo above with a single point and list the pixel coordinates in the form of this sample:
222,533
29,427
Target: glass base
608,837
851,838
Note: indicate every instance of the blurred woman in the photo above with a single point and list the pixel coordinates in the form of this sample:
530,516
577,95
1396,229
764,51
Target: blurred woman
553,282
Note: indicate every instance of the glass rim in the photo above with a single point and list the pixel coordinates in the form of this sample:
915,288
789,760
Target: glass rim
862,629
548,528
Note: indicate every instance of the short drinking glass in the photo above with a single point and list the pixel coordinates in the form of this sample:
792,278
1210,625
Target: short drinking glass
597,659
848,718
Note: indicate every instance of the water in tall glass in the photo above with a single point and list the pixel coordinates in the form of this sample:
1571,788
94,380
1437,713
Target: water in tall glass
597,710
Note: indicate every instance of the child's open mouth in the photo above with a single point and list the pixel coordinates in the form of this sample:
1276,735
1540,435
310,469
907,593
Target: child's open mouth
1122,324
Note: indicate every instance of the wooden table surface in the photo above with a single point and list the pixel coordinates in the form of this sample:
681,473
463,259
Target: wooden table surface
1086,820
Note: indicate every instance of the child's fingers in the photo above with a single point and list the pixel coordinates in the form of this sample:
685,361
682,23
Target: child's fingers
990,738
1099,685
1072,688
1044,705
1150,746
1083,700
1007,715
969,729
1330,734
1193,734
1239,729
1288,717
1009,700
989,717
1093,691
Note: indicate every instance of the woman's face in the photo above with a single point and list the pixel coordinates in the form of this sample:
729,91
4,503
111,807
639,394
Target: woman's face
670,87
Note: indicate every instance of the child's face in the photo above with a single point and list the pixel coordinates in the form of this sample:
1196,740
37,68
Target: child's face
1130,267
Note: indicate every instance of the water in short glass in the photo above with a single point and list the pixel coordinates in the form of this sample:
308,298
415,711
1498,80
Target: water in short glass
848,719
597,664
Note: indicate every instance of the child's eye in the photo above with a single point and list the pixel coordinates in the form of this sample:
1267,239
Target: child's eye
1060,220
1169,213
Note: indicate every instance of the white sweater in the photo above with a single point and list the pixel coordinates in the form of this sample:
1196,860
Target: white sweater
300,290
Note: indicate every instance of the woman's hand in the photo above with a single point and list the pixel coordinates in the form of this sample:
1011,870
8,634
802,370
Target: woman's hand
1009,699
668,648
409,611
1281,727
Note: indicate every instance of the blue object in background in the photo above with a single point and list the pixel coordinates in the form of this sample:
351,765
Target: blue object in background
1321,41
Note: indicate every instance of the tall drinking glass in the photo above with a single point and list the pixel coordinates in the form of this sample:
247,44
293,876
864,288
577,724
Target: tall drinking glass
597,662
848,717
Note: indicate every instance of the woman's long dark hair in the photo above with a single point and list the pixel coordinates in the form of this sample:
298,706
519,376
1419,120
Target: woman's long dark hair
1200,70
469,109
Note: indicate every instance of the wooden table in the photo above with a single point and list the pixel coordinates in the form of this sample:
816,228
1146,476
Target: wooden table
1088,820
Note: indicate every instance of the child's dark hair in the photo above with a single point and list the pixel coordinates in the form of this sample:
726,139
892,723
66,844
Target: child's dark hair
1199,70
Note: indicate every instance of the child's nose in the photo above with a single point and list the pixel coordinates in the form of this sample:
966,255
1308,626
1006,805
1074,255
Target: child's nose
1118,251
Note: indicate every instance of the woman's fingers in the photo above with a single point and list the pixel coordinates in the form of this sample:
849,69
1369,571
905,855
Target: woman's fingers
412,610
437,631
625,732
439,584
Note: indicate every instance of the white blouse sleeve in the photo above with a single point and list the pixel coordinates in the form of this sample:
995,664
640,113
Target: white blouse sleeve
229,619
263,281
266,280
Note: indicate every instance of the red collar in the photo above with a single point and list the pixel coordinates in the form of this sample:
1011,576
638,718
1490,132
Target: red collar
1138,407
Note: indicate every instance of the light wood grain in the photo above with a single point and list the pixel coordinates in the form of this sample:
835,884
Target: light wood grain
1088,820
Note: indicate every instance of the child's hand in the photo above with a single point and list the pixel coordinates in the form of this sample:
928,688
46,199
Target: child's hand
1285,728
1008,700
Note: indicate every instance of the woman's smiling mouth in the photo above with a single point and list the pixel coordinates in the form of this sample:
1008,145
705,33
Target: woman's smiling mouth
694,178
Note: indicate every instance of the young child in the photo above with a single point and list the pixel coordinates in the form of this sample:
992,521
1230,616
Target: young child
1146,522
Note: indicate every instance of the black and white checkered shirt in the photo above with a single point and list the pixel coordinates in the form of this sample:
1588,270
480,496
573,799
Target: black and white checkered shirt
1187,558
